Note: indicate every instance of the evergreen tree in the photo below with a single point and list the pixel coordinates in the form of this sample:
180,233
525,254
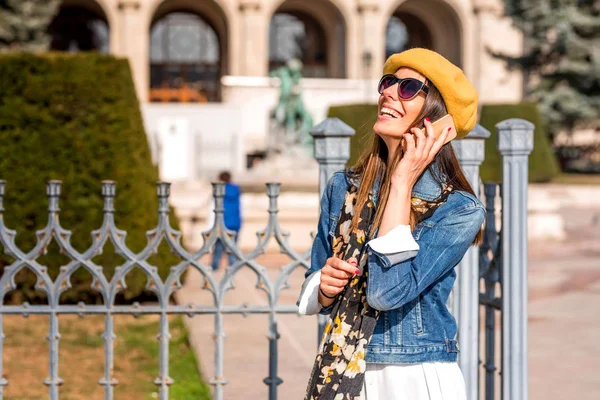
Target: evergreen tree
23,24
561,61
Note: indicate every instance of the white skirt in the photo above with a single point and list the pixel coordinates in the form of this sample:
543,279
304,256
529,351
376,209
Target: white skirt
426,381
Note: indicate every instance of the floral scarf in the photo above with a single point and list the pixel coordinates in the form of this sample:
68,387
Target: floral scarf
338,372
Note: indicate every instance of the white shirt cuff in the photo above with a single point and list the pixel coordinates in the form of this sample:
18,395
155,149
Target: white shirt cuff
397,245
308,302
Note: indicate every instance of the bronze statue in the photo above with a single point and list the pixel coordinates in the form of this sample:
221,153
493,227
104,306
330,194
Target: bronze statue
291,119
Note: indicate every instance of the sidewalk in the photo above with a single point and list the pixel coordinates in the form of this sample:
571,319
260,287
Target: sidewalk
564,323
246,343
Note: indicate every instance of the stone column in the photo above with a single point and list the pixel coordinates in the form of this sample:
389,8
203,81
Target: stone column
465,298
371,40
254,51
134,44
515,142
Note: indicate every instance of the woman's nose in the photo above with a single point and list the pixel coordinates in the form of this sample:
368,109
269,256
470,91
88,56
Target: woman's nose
391,92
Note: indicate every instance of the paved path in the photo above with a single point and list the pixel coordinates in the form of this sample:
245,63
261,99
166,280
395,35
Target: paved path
564,319
564,323
246,343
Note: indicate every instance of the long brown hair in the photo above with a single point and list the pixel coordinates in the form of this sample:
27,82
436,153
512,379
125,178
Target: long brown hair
376,162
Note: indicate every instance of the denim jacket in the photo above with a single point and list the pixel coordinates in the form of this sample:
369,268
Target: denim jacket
411,288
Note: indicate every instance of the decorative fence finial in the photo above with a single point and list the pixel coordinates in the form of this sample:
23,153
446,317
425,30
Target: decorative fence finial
109,191
53,193
163,190
2,188
273,190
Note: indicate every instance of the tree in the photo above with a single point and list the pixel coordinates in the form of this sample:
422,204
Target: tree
23,24
561,61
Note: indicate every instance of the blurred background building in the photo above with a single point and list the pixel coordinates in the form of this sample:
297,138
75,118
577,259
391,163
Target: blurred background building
201,66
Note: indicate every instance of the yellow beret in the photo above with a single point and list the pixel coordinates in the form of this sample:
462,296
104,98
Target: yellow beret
459,95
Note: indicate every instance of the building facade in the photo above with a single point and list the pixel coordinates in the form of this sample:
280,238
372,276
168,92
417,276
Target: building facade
201,66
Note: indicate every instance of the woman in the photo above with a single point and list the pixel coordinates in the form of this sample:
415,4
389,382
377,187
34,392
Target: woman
391,231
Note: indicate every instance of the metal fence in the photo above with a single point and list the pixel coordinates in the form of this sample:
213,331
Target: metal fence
503,268
332,139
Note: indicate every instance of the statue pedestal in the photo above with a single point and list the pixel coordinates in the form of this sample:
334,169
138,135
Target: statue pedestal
298,202
295,172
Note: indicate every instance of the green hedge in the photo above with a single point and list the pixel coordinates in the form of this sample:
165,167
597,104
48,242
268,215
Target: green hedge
361,117
543,165
75,118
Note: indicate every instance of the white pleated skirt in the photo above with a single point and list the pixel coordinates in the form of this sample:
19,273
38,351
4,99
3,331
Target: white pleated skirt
426,381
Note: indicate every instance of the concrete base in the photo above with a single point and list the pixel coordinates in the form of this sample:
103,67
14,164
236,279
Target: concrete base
546,202
544,220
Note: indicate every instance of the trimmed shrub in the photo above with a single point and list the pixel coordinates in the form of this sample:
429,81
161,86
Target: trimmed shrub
361,117
543,165
75,118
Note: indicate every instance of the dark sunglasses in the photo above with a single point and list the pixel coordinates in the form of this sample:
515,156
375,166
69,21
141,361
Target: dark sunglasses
407,87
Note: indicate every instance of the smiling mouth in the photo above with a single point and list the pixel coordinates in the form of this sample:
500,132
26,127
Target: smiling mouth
389,112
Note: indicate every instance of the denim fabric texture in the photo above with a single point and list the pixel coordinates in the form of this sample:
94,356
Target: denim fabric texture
415,325
218,253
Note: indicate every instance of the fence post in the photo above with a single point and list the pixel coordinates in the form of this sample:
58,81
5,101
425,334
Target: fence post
332,147
515,142
332,151
465,298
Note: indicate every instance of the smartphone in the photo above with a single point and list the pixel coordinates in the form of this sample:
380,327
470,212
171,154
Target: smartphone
441,125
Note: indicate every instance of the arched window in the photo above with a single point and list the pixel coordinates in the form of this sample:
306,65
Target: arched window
405,31
433,24
298,35
184,59
77,28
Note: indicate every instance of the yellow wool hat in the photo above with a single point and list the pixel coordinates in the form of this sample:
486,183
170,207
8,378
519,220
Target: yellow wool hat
460,96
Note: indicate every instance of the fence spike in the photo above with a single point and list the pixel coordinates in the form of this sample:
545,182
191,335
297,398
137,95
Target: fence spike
109,191
2,189
53,191
163,190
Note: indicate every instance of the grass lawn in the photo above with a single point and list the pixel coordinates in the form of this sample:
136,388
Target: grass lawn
81,360
577,179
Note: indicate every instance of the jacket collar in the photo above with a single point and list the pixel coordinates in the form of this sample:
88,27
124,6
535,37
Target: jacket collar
428,188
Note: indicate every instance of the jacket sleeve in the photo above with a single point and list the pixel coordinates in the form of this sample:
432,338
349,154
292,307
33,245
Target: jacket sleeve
442,246
321,247
308,300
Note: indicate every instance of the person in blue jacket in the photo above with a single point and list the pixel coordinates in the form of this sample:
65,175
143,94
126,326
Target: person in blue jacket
231,215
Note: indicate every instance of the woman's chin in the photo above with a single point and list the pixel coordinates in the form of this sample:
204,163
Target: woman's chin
386,131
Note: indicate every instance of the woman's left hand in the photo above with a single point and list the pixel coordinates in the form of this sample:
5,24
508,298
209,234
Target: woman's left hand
419,151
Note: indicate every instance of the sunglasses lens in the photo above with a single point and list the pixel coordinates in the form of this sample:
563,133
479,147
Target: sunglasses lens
386,82
409,88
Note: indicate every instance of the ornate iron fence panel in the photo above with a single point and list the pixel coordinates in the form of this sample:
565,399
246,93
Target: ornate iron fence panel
163,289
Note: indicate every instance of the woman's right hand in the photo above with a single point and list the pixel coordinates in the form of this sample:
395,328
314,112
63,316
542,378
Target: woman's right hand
334,276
